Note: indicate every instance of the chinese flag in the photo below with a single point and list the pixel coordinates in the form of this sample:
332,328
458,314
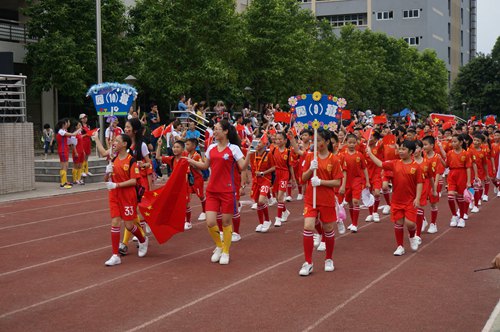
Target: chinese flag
447,125
168,129
345,114
367,134
442,117
92,131
165,208
389,139
282,117
490,120
473,118
379,119
157,132
435,131
350,127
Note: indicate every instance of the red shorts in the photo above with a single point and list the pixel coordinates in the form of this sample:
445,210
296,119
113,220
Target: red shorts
260,190
409,212
327,214
281,181
426,191
457,180
221,202
123,203
387,176
376,182
87,146
354,190
197,188
79,159
63,155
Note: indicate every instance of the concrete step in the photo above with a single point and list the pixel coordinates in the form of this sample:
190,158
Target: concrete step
55,170
55,163
48,170
55,178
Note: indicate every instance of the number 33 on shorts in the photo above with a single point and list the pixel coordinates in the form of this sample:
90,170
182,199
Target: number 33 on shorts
129,210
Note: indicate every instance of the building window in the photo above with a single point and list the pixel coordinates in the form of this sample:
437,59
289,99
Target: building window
461,59
411,13
462,38
388,15
462,15
449,7
412,41
449,55
341,20
449,31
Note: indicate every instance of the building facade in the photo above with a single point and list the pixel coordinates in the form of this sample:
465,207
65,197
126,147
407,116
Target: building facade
447,26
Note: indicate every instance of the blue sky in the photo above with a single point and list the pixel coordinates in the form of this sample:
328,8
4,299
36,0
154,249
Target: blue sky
488,28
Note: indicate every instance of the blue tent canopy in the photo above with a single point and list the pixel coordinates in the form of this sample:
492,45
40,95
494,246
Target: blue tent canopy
403,113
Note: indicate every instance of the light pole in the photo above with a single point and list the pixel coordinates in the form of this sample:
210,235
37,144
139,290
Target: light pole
130,80
463,109
99,60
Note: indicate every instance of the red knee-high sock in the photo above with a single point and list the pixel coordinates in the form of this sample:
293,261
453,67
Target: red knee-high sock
351,212
440,185
319,228
329,243
464,206
355,215
236,222
399,233
387,197
188,214
299,188
451,204
265,210
477,197
219,221
289,189
137,233
486,187
308,242
281,208
376,204
420,220
434,214
260,213
203,201
115,239
370,210
412,231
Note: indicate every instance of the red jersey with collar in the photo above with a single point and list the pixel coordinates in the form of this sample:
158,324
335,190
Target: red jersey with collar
458,160
435,164
404,181
329,168
478,157
353,164
378,151
222,165
196,172
260,163
280,158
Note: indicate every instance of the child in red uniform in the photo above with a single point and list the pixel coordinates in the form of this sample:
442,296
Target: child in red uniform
87,145
78,155
121,177
63,150
495,153
221,188
281,160
480,167
328,175
354,164
262,168
407,189
427,187
198,186
375,174
390,153
459,178
436,164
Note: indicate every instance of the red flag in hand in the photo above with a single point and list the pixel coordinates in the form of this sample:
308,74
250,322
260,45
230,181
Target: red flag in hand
91,132
367,134
157,132
165,208
389,139
490,120
350,127
168,129
379,119
345,114
282,117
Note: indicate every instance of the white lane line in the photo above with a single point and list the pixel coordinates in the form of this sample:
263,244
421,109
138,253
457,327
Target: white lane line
54,236
51,206
55,218
370,285
488,327
52,261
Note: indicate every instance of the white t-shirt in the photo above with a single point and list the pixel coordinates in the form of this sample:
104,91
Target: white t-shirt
72,141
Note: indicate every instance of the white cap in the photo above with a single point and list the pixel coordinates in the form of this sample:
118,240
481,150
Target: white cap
82,116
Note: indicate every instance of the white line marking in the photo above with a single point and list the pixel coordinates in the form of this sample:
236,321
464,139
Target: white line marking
50,219
52,261
371,284
51,206
489,324
53,236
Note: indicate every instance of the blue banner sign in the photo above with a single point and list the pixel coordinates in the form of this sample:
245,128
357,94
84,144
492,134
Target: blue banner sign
112,98
316,110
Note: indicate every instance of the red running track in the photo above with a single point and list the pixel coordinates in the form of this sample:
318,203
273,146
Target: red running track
52,276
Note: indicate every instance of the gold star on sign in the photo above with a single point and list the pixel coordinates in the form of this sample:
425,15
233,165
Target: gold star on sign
155,194
150,207
147,214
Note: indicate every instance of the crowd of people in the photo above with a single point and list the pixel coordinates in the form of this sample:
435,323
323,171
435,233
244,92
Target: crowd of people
409,164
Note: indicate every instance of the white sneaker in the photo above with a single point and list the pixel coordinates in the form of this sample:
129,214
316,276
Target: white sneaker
461,223
235,237
400,251
148,229
143,248
216,255
224,259
277,222
349,227
321,247
285,215
475,209
495,190
498,194
254,206
300,197
466,216
458,212
84,175
272,201
329,265
288,198
114,260
316,239
341,226
306,269
414,243
187,226
266,226
479,203
419,239
376,217
135,239
258,229
424,225
369,218
122,249
386,209
432,229
471,204
354,229
485,198
89,174
454,221
203,216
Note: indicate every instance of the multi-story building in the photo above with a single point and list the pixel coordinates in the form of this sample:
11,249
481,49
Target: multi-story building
447,26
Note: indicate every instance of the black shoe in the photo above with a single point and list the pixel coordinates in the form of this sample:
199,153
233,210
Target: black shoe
123,249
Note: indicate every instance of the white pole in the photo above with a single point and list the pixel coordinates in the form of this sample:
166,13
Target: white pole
315,158
99,60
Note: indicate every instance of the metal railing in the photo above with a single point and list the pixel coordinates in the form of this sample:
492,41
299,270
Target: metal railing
14,31
201,123
12,98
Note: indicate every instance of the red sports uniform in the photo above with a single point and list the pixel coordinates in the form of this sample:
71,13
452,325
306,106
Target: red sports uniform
79,149
404,190
390,153
375,172
199,183
478,157
458,164
435,166
281,160
87,145
62,145
260,184
123,201
354,164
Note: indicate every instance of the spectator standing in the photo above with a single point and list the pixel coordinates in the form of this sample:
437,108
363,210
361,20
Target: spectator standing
154,122
48,139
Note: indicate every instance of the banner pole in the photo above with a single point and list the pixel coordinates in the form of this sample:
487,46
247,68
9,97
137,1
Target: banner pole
315,158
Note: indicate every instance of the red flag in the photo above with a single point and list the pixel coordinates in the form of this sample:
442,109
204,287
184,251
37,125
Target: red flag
447,125
168,129
367,134
165,208
435,131
389,139
264,139
490,120
442,117
345,114
157,132
473,118
350,127
92,131
282,117
379,119
294,132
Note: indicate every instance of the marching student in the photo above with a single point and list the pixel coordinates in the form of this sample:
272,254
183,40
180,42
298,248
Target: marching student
354,164
87,145
407,190
63,150
262,168
328,175
197,187
375,175
436,167
121,177
78,154
221,188
480,167
281,161
428,187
